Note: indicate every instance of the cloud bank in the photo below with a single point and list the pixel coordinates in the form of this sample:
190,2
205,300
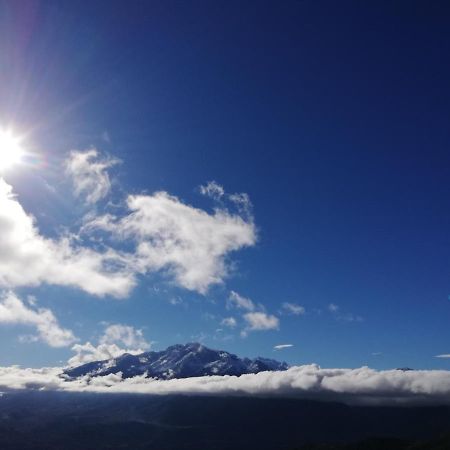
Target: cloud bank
352,386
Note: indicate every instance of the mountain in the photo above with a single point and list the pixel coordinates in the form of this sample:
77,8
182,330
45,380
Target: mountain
177,361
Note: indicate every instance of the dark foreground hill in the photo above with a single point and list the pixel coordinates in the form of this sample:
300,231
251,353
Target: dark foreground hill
75,421
439,443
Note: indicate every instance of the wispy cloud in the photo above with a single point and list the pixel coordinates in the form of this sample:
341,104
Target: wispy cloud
229,322
343,316
240,200
444,356
333,308
213,190
293,308
282,346
176,300
89,173
238,301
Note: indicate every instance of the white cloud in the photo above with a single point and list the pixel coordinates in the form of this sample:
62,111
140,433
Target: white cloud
293,308
352,386
259,321
229,322
443,356
255,317
14,311
282,346
125,335
174,301
187,242
240,200
88,352
213,190
29,259
344,317
89,174
116,340
238,301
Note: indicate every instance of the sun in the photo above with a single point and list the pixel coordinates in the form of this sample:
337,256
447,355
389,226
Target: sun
11,151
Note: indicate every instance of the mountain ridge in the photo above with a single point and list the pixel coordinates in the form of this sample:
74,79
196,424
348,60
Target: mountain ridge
177,361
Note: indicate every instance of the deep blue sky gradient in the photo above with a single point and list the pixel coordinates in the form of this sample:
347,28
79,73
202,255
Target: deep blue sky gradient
333,116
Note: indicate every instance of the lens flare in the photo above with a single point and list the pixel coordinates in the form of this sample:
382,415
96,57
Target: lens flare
11,152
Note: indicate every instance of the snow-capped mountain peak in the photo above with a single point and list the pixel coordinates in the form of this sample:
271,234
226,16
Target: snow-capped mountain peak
177,361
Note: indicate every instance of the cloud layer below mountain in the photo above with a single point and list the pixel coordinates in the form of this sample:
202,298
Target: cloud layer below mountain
352,386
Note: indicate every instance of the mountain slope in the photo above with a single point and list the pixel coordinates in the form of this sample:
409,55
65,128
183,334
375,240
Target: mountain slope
177,361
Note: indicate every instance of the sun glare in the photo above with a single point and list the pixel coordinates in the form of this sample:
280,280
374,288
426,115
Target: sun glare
11,152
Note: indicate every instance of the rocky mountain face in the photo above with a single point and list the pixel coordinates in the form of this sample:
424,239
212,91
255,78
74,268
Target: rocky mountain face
177,361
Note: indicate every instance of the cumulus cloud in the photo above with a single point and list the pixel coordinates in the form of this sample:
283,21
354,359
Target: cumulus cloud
229,322
14,311
256,317
238,301
293,308
125,335
116,340
88,352
190,244
89,173
352,386
258,321
282,346
29,259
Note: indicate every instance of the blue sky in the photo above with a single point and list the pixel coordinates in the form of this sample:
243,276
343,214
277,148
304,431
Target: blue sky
332,118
